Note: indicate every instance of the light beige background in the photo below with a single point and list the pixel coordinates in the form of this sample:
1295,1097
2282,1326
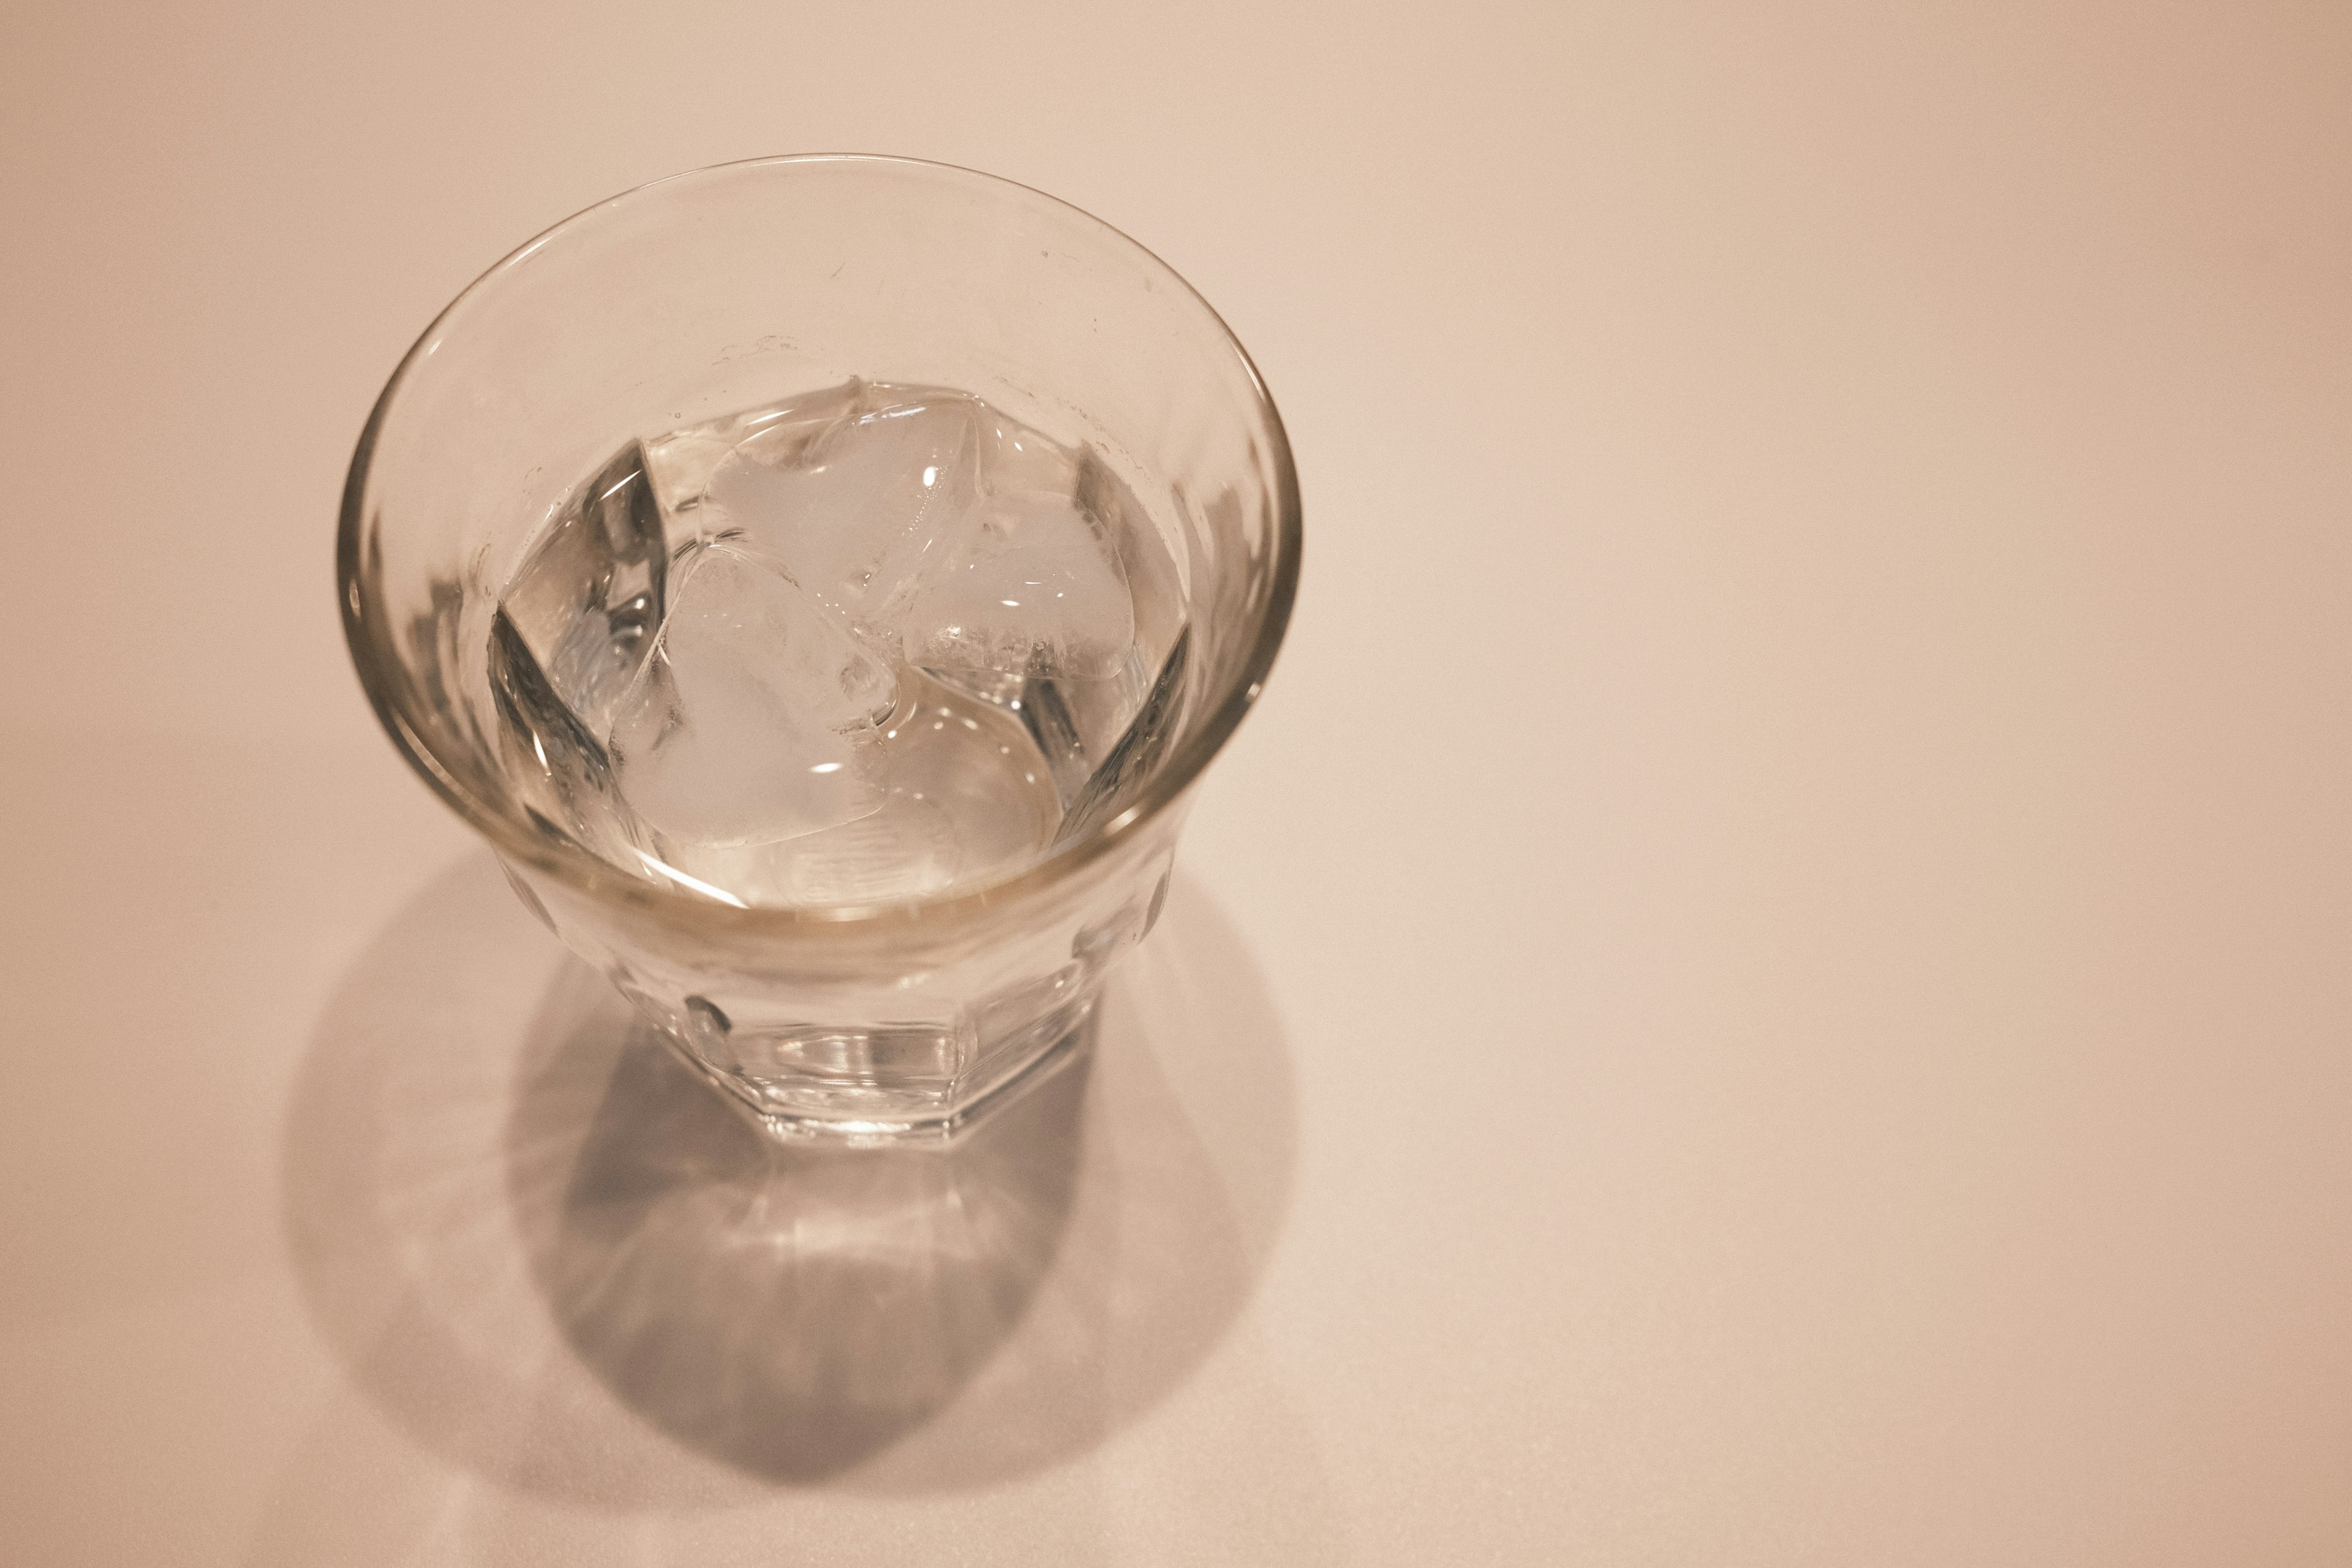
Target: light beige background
1769,985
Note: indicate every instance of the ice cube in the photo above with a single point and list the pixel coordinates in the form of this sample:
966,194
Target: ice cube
587,599
1078,723
753,720
968,801
854,510
1154,579
681,463
1025,585
903,850
1130,765
1052,721
1013,457
560,772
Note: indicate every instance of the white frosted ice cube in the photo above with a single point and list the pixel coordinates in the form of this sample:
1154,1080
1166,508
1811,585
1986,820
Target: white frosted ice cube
853,512
753,719
1025,585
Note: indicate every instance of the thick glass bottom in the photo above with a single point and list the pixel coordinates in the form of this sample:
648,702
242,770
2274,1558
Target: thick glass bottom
865,1115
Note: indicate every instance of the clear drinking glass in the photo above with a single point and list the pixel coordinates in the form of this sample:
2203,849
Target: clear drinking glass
735,286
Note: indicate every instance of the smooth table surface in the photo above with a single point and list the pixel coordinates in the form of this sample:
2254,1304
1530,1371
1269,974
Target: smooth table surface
1769,983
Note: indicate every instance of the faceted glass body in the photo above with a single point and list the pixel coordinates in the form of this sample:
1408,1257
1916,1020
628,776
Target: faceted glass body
673,307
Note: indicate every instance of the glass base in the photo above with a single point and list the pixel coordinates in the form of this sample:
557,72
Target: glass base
868,1115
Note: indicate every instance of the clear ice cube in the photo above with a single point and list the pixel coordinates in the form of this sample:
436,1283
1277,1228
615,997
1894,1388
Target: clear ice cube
968,799
1026,585
1113,785
587,599
1078,724
903,850
681,463
853,507
561,775
754,719
1012,456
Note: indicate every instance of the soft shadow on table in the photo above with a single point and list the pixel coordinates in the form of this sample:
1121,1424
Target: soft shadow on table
555,1260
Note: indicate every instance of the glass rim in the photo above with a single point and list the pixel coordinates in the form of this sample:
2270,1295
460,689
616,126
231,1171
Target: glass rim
367,638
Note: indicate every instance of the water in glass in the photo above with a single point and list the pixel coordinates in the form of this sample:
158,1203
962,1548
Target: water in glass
864,645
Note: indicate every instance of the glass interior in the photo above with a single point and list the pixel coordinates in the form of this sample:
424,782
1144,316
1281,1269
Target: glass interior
683,305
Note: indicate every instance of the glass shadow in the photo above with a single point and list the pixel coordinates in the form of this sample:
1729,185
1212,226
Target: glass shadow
550,1255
